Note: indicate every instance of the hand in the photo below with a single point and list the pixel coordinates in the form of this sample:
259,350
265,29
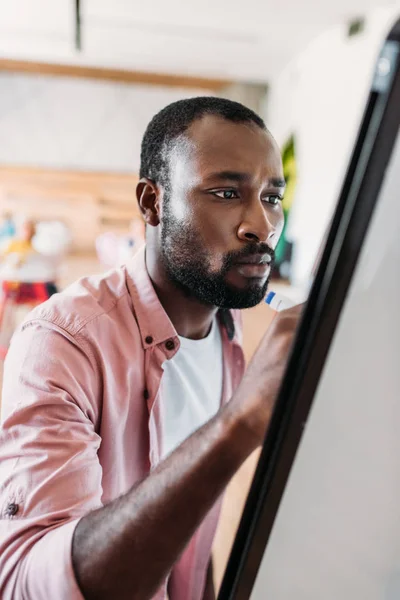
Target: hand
255,398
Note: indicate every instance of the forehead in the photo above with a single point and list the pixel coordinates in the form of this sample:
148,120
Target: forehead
215,144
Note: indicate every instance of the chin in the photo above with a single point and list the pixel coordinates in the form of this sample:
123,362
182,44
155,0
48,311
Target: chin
241,298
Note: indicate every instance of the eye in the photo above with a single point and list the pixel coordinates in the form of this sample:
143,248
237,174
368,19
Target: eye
226,194
274,200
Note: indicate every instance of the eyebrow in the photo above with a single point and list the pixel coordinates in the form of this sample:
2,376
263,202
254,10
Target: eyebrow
244,177
278,182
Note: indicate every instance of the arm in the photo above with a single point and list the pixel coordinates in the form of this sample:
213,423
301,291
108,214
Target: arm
49,468
127,548
50,474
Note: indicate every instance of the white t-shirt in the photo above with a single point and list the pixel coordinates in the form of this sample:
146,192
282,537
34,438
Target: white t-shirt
191,388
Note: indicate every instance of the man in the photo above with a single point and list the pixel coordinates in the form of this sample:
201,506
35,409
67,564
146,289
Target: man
125,413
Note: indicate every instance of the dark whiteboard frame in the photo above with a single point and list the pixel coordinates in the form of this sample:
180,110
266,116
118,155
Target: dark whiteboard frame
357,200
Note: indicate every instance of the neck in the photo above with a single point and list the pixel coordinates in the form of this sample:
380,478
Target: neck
189,316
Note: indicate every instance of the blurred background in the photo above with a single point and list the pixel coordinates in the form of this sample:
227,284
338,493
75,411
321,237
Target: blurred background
80,80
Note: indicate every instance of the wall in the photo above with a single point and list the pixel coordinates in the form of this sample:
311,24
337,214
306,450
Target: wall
71,123
320,98
67,123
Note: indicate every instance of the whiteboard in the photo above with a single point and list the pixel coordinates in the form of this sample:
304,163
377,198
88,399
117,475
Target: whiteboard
337,532
322,518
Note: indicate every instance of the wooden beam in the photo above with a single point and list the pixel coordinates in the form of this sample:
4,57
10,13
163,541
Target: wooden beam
119,75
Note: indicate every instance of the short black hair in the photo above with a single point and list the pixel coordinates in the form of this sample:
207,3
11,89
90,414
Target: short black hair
173,120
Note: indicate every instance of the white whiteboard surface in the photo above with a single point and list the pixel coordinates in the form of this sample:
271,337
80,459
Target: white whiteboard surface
337,532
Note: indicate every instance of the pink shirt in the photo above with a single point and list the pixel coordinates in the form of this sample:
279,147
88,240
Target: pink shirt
81,425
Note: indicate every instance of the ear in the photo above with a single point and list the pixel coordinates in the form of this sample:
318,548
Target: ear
148,197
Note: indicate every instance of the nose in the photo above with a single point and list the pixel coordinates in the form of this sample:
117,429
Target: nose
256,225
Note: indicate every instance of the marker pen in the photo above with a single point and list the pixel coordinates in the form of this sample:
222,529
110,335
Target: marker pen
278,302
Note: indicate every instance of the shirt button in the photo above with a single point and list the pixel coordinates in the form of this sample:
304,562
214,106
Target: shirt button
146,394
170,345
149,339
12,509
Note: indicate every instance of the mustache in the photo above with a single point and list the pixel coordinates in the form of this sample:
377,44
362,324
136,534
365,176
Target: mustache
249,250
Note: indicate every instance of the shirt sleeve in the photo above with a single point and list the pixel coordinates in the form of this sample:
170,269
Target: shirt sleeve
50,475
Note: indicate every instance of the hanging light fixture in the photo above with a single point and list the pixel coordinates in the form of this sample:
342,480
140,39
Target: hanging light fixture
78,27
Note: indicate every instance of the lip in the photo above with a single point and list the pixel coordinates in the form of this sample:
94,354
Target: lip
255,259
253,270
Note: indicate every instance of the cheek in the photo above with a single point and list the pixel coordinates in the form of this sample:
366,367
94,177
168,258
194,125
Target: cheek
179,210
278,222
216,234
218,225
212,229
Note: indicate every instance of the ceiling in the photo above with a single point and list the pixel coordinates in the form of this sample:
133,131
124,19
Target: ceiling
231,39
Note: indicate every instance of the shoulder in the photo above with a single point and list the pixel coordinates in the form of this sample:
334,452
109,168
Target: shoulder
83,302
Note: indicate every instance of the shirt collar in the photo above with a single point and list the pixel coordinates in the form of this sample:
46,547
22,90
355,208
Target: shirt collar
154,324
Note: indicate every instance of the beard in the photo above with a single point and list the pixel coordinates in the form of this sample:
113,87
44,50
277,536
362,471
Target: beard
187,264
